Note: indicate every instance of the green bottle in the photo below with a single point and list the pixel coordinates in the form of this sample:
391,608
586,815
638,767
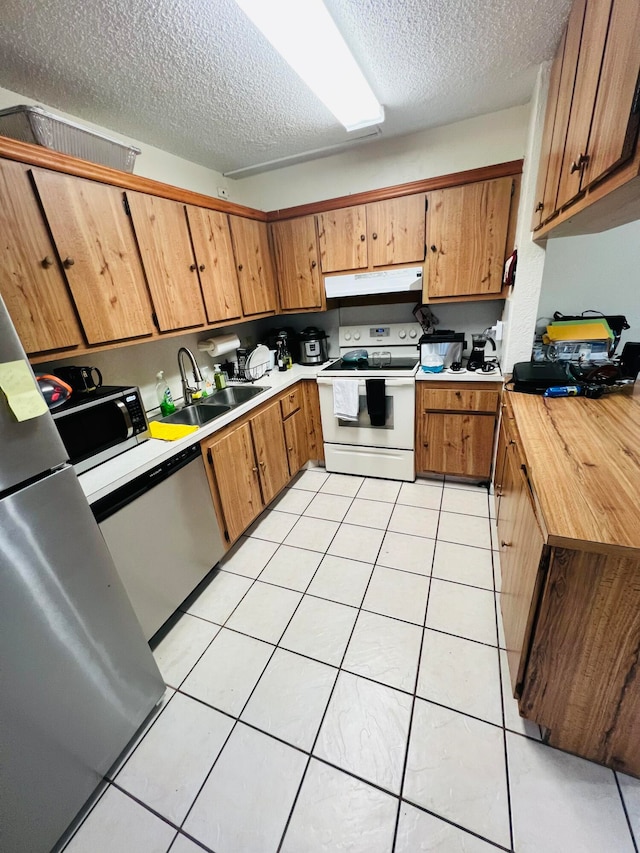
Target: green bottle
167,406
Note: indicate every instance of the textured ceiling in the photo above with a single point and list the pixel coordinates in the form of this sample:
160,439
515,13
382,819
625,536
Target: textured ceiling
194,77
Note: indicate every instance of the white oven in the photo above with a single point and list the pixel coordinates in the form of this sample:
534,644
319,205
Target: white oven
357,446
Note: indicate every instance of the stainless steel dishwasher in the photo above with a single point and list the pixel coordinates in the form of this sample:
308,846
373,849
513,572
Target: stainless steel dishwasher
163,535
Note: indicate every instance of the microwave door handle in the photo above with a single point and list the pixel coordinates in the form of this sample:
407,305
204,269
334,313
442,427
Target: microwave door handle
125,416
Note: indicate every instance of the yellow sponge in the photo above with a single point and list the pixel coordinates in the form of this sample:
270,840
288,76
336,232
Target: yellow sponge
170,432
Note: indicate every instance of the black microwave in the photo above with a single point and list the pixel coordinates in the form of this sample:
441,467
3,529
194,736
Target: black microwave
95,427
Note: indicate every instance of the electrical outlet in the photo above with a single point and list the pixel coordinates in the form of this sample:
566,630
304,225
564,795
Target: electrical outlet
223,192
499,330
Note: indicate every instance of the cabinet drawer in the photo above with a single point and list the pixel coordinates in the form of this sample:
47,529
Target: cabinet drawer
458,399
291,401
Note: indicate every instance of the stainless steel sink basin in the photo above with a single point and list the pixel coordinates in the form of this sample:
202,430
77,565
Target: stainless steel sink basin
235,395
197,415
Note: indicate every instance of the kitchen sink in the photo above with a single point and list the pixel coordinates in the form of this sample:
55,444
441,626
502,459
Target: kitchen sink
235,395
197,415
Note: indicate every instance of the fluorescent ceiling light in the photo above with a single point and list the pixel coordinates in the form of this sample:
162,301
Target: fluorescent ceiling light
304,34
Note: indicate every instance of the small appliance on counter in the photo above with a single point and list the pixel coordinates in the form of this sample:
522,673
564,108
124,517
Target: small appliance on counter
477,359
441,349
313,346
289,341
83,380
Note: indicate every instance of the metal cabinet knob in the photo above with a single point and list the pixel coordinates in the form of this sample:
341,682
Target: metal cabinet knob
539,207
374,236
255,470
193,267
313,265
362,238
434,248
68,262
47,261
504,544
240,267
202,268
576,165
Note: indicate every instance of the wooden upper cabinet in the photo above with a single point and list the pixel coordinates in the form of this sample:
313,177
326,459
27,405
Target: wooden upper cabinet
31,282
396,230
95,242
165,247
342,236
563,108
466,238
542,211
253,263
295,250
616,115
211,239
594,34
271,452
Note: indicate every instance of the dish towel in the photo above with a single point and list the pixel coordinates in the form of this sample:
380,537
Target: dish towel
346,400
376,401
170,432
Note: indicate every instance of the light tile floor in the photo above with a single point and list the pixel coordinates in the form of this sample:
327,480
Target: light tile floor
341,685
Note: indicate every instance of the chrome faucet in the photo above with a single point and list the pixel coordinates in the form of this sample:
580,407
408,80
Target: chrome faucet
187,390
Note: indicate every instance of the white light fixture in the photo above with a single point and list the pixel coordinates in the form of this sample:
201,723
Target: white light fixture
304,34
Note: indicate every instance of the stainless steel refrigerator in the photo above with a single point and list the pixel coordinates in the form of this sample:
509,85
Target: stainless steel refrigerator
77,678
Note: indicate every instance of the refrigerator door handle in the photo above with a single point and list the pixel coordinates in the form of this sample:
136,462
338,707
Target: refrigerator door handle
125,416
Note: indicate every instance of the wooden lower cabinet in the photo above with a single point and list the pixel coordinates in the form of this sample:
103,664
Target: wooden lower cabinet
315,441
236,479
250,462
455,424
271,453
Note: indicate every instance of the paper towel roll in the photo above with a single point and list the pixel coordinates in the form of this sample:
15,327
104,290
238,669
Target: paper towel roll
220,345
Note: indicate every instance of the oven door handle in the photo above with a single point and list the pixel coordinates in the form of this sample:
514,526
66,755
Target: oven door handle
125,417
389,383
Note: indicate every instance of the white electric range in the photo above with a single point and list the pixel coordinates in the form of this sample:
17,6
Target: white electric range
382,360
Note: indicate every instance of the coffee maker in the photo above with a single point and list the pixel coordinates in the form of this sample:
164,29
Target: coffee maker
479,342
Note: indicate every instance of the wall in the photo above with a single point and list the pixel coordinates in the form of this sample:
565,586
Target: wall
152,163
595,271
494,138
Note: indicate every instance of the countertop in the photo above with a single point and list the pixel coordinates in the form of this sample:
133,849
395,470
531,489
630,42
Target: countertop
583,461
116,472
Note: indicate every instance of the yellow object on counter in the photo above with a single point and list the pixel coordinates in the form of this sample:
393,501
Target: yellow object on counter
595,331
170,432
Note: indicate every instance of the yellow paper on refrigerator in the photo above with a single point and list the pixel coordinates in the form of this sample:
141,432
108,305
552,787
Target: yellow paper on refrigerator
22,393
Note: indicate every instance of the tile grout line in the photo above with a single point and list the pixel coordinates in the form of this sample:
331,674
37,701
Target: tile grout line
626,813
415,690
322,719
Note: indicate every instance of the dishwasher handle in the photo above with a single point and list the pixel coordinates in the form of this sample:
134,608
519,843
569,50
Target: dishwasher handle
121,497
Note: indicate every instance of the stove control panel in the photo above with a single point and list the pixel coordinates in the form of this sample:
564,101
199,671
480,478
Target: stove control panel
391,334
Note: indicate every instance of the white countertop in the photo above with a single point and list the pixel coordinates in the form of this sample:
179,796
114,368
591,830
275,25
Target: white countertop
105,478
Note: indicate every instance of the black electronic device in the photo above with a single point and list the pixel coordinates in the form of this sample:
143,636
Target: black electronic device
532,377
630,360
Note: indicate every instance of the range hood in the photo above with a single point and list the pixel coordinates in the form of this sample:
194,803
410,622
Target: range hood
368,283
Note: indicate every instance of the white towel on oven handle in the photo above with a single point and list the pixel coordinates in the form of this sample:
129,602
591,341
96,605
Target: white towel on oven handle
346,399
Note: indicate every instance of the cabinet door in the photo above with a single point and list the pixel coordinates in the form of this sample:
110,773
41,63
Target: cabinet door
253,263
594,34
94,239
500,463
31,282
315,442
452,443
295,249
616,116
237,479
295,433
396,230
540,212
163,240
466,238
271,453
521,548
216,265
342,236
563,109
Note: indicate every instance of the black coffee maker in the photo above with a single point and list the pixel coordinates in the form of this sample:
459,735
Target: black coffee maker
477,357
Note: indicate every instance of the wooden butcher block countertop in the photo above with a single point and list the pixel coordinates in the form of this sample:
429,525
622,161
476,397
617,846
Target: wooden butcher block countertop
583,462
